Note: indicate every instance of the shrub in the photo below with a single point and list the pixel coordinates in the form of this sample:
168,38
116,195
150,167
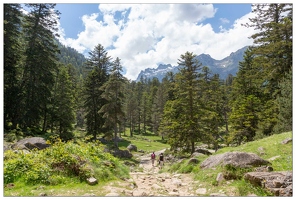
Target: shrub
52,165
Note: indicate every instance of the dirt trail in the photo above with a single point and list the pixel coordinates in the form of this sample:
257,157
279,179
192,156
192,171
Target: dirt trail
150,182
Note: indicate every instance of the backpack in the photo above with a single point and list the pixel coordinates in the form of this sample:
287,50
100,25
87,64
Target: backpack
153,156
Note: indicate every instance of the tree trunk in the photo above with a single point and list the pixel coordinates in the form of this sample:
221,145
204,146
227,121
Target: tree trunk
192,147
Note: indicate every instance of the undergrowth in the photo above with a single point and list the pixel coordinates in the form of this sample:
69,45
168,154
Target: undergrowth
54,165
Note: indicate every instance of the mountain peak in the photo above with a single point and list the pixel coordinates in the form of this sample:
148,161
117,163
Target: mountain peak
224,67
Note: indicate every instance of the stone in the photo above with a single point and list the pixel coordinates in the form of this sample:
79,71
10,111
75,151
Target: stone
176,182
286,141
217,195
279,183
175,194
139,193
235,159
201,191
220,177
30,143
92,181
112,194
132,147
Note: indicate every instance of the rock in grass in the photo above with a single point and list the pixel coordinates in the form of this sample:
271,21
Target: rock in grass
92,181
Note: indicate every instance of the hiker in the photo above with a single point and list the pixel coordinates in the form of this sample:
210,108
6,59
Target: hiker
153,158
161,160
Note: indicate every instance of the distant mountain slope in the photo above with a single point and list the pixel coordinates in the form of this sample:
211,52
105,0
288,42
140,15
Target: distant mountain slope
224,67
69,55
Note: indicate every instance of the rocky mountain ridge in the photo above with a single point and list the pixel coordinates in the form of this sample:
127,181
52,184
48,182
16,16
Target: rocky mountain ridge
224,67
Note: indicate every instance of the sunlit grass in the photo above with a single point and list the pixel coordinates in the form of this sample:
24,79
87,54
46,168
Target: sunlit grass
272,147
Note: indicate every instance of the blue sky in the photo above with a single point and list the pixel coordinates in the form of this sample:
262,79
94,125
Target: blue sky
146,35
71,14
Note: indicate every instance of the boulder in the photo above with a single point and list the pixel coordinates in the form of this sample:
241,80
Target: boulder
235,159
121,153
132,147
278,183
30,143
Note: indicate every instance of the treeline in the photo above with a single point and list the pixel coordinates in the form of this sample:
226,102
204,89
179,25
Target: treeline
44,96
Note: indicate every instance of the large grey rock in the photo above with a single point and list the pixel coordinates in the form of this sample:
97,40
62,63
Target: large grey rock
236,159
30,143
121,153
279,183
132,147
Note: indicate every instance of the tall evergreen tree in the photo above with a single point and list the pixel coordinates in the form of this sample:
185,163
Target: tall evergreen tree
113,92
157,108
99,63
41,62
284,101
12,58
182,115
273,40
246,100
273,53
212,101
130,105
62,113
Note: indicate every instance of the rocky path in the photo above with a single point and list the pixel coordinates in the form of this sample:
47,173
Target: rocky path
150,182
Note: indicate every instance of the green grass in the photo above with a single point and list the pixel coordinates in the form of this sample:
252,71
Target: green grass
272,147
73,186
207,177
148,143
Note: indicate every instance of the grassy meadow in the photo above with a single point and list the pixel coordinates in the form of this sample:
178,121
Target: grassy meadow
32,174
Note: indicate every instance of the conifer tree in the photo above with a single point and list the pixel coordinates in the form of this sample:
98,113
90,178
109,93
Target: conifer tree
284,102
246,101
130,105
182,115
62,112
39,28
99,63
113,93
12,58
273,54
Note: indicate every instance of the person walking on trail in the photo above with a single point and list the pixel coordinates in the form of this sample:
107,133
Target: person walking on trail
153,158
161,160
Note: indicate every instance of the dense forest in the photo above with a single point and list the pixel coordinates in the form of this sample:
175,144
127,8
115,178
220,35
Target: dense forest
51,90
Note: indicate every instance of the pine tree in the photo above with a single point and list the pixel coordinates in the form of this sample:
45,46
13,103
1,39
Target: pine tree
130,105
12,58
272,52
246,101
284,101
99,63
113,93
182,116
157,108
212,101
62,114
40,63
273,41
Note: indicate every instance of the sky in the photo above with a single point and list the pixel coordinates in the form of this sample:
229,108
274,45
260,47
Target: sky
146,35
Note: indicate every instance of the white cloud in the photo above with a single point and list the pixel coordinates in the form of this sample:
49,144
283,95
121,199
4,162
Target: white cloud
158,33
224,20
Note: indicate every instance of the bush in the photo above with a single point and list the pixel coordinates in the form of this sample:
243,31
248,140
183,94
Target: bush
234,173
53,164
